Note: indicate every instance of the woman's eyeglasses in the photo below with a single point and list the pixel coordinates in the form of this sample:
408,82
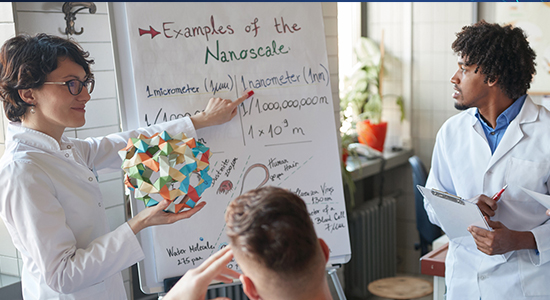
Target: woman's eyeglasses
75,85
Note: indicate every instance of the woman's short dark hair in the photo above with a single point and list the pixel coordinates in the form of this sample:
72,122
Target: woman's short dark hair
26,60
501,53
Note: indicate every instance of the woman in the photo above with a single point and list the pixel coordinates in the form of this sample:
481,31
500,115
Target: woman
50,199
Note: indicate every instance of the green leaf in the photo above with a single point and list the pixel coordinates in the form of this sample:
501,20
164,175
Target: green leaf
373,109
399,102
368,52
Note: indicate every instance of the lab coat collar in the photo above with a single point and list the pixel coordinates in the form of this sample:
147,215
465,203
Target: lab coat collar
17,133
476,125
529,113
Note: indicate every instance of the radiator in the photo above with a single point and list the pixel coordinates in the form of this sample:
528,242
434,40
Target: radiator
373,246
234,292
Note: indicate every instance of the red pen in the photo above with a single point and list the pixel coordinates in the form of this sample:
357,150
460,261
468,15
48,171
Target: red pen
496,197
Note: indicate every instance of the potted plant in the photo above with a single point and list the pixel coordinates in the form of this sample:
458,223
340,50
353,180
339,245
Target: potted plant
361,96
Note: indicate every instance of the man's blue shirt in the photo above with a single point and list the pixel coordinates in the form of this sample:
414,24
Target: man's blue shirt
504,119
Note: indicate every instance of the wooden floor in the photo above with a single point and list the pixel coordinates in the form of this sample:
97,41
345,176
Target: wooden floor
372,297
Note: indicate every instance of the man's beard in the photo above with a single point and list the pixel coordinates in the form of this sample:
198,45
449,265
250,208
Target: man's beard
461,106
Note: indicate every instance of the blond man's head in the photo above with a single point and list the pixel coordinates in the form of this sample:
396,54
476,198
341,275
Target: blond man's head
274,241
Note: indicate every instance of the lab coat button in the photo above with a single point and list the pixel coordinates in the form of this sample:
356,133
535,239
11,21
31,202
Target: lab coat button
66,154
99,204
90,179
68,146
482,277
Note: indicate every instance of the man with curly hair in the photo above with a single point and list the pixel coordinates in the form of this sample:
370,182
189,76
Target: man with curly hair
499,138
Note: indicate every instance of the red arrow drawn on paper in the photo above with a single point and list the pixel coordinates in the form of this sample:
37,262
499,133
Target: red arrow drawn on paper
151,31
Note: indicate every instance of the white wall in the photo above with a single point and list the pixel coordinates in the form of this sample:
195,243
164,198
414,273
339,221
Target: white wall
419,36
432,27
102,111
7,30
9,262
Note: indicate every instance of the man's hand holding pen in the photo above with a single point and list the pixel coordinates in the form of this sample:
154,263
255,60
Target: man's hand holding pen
487,205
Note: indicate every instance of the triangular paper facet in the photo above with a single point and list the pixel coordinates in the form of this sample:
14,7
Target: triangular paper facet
159,167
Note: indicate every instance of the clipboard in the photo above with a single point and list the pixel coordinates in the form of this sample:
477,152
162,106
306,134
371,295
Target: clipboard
454,213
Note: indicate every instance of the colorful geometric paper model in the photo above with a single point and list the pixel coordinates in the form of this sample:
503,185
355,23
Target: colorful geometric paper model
166,167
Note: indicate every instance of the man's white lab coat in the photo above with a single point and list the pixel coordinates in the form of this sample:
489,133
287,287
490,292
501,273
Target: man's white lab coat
462,164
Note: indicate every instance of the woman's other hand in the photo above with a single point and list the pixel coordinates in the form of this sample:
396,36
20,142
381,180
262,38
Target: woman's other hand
155,215
218,111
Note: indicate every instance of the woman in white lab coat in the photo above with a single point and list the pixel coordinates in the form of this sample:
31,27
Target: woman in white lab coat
50,199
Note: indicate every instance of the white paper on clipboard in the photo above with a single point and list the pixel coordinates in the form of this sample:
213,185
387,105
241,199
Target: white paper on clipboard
454,214
543,199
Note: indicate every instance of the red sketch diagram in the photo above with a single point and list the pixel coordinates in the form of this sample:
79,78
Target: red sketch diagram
225,187
151,31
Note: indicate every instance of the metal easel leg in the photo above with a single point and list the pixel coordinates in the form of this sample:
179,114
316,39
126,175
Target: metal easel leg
337,285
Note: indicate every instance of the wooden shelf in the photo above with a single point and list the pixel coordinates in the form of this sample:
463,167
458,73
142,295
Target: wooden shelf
362,167
433,263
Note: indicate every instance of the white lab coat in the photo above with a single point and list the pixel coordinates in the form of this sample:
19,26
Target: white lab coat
462,164
52,206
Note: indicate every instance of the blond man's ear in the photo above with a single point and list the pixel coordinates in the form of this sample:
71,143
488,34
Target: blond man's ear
326,250
249,288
